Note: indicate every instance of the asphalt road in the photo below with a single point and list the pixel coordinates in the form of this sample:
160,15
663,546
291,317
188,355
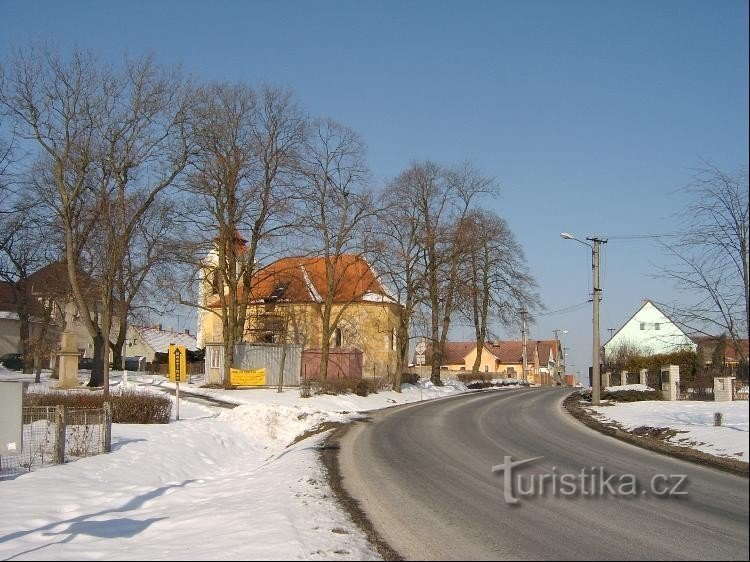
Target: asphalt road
423,476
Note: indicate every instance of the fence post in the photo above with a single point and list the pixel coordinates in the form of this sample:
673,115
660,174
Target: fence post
644,377
107,427
60,420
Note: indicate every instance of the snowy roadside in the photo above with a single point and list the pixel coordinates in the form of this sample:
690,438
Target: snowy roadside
693,422
218,484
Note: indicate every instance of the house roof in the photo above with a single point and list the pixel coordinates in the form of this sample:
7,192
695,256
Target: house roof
159,340
303,279
7,297
707,344
510,351
643,305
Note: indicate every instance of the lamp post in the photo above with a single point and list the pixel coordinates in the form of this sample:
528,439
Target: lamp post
596,298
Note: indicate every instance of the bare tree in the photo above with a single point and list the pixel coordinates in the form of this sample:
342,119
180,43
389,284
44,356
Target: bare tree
495,278
395,249
149,256
241,182
711,257
113,141
441,197
335,204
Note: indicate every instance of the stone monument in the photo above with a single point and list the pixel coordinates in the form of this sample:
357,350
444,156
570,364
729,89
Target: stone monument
67,357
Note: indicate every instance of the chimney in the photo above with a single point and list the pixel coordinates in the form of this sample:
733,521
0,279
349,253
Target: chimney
187,331
158,327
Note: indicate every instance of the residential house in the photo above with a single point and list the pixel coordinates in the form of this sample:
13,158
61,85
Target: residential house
47,287
504,358
285,302
649,331
732,357
144,342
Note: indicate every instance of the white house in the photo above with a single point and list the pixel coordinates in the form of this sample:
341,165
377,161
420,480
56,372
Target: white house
650,331
146,342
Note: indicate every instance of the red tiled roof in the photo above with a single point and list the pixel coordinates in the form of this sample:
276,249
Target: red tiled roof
707,345
510,351
303,279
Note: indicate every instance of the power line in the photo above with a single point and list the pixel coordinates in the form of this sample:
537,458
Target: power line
646,236
571,308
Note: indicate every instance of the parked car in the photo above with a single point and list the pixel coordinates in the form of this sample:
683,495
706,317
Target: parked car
12,361
86,363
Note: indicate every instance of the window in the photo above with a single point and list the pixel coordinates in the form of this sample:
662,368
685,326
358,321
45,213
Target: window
657,326
214,358
643,325
486,368
338,338
393,339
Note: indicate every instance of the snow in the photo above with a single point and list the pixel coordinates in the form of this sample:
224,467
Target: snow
217,484
693,419
623,387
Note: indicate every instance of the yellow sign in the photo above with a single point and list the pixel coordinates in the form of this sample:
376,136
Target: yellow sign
177,363
252,377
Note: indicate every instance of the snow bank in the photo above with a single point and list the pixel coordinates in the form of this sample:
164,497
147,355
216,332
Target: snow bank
624,387
692,419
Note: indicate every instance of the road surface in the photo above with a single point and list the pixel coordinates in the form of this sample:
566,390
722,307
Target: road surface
423,475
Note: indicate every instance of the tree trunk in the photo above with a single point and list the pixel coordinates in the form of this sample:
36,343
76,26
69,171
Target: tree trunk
281,366
97,368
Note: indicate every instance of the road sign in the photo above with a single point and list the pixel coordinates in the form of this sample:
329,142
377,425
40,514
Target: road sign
420,359
177,363
421,347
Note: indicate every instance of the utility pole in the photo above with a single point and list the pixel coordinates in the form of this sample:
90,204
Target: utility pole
558,362
597,297
523,340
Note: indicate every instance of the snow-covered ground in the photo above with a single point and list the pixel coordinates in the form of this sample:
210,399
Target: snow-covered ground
625,387
694,420
217,484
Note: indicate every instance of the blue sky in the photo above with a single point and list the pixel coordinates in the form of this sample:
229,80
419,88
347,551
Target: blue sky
591,115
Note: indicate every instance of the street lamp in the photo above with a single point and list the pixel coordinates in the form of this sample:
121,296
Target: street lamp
596,298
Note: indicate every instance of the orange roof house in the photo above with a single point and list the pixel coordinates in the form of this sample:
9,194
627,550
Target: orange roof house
287,296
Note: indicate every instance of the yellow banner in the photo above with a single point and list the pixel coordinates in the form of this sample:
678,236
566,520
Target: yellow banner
177,363
251,377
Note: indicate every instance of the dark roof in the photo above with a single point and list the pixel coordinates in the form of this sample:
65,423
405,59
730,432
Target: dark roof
7,297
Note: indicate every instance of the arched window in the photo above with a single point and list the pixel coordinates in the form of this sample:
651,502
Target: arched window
338,338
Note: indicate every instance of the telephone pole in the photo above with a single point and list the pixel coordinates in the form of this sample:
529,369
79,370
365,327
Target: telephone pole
559,357
597,297
523,340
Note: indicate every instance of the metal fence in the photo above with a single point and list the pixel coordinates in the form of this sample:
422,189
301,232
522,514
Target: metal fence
740,390
57,434
268,356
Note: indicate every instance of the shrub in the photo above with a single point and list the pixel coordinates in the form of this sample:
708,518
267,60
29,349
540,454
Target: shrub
409,378
626,396
467,378
128,406
349,385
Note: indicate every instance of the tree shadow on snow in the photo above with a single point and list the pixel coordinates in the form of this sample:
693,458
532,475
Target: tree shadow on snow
123,527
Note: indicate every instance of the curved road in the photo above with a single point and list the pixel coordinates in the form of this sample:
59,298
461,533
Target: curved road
423,475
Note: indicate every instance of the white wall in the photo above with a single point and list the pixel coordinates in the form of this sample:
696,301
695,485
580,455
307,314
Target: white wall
652,332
